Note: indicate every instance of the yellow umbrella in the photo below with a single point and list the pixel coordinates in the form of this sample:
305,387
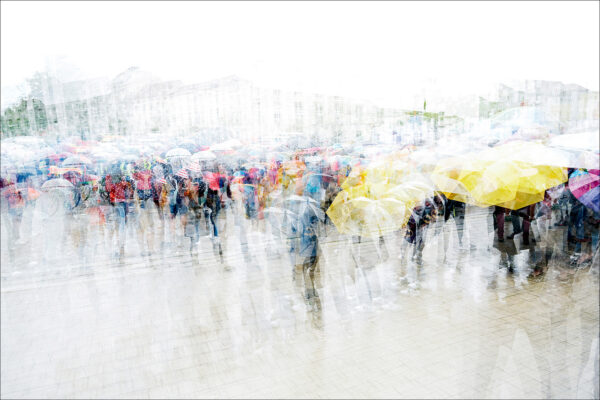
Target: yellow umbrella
446,176
369,217
492,178
374,208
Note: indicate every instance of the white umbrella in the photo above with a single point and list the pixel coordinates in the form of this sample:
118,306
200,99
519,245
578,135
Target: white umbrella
129,157
300,205
313,159
29,140
178,152
234,143
58,183
221,147
577,141
206,155
76,160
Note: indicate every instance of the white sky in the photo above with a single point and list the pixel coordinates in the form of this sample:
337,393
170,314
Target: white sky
382,51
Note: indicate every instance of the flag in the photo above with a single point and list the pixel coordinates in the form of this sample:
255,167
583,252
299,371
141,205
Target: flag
194,167
182,173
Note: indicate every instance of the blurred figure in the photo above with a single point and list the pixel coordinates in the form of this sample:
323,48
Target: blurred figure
15,200
195,198
416,232
456,210
499,218
175,193
305,244
120,190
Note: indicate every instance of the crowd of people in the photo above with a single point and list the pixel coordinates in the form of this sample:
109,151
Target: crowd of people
153,205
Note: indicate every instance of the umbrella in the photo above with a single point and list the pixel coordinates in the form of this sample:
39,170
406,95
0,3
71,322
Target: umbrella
177,153
539,154
376,201
57,183
221,147
301,204
313,159
128,158
213,180
585,187
187,145
282,219
367,216
28,140
577,141
206,155
491,178
76,160
304,210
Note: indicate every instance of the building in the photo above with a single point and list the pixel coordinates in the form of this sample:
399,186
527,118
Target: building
136,103
573,105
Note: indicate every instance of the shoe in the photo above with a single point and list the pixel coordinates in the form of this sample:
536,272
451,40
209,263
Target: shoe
526,242
501,240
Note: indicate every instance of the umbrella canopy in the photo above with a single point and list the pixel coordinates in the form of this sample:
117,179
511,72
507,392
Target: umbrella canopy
304,210
221,147
28,140
129,158
206,155
76,161
177,152
589,141
303,204
376,201
491,178
585,186
57,183
282,219
539,154
366,216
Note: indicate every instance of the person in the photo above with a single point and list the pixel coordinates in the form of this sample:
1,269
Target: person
216,183
309,251
543,219
93,205
249,188
16,204
195,197
175,193
120,189
143,178
456,210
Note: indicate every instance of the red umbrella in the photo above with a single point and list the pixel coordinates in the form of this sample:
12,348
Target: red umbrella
212,179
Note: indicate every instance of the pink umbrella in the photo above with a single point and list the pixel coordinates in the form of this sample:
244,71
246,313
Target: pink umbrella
585,186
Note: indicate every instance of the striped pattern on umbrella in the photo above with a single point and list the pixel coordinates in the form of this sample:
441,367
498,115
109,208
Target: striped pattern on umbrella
182,173
194,167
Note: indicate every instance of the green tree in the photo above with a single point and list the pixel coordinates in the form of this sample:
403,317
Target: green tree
25,118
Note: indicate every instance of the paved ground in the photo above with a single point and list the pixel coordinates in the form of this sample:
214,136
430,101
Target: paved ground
164,326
